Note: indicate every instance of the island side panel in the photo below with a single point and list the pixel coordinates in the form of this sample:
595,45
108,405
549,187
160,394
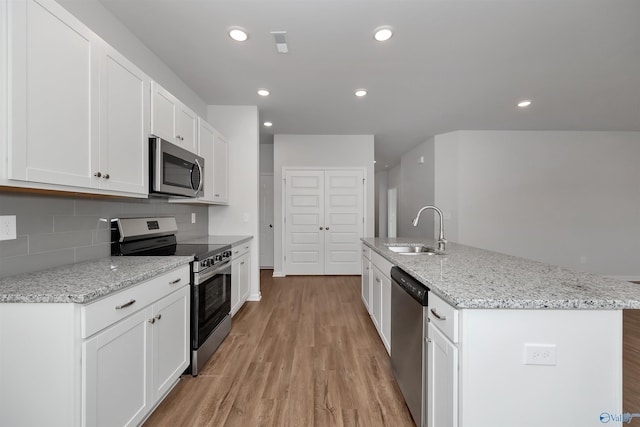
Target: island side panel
498,389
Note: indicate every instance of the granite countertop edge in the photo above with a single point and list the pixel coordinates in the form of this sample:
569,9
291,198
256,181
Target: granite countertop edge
218,239
85,282
457,297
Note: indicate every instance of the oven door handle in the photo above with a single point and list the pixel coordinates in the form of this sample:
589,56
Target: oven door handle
202,276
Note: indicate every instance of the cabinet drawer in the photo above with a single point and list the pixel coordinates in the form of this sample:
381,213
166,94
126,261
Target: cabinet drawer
366,251
383,265
238,251
443,316
109,310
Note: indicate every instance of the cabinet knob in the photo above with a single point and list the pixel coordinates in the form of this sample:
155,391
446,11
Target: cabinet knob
98,174
106,176
326,228
152,320
158,317
321,228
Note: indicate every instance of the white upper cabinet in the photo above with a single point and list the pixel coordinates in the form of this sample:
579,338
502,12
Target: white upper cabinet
172,120
220,170
53,110
124,125
78,110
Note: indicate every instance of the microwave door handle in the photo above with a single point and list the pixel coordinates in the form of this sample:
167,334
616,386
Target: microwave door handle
201,177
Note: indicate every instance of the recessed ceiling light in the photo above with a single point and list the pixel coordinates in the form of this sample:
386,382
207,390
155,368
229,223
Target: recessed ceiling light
360,92
268,124
238,34
263,92
525,103
382,34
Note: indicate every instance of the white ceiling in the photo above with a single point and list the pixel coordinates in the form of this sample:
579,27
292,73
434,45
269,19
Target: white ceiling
450,65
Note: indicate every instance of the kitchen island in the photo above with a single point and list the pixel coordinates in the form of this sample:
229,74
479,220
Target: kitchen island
519,342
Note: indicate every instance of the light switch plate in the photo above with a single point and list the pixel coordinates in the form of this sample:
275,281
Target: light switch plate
7,227
193,217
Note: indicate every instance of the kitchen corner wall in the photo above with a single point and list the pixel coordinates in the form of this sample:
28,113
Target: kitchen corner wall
565,198
58,230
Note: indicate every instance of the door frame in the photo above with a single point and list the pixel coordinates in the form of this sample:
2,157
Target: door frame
283,233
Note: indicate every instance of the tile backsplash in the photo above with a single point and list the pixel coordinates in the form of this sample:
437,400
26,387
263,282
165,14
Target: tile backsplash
58,230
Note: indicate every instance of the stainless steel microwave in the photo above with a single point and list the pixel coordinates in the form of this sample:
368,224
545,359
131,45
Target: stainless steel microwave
174,171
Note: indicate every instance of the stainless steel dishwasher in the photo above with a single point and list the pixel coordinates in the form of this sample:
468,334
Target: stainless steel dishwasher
408,346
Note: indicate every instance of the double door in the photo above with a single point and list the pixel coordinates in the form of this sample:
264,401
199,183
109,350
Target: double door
324,221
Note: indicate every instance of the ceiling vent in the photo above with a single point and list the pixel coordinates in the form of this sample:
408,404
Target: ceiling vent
281,41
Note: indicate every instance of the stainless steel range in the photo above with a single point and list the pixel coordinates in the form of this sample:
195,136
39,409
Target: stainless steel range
210,277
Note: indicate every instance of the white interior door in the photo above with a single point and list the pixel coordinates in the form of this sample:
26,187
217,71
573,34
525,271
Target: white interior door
266,221
304,222
344,221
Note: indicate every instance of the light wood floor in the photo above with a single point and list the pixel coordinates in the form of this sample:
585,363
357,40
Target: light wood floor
306,355
631,364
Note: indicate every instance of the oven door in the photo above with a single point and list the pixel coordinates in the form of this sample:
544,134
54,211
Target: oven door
174,170
211,301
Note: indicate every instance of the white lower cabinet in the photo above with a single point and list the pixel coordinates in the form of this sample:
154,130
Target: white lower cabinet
240,276
376,293
442,380
106,363
134,363
116,376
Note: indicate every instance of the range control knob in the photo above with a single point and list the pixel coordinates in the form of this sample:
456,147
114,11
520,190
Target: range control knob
218,258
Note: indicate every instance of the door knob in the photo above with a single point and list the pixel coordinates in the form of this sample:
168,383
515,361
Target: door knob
270,225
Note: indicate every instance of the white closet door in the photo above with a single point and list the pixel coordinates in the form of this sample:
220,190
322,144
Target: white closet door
344,221
304,222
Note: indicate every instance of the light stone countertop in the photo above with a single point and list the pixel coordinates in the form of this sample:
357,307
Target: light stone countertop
468,277
220,240
86,281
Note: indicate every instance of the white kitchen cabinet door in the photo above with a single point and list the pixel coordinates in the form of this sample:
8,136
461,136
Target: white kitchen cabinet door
186,128
124,125
304,222
54,95
172,120
116,370
240,276
442,380
366,281
170,337
164,107
376,297
206,141
220,170
245,276
385,312
343,220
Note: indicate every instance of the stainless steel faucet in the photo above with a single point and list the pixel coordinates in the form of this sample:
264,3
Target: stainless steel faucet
441,240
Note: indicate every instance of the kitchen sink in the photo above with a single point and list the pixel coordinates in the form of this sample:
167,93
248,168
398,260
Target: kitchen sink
413,250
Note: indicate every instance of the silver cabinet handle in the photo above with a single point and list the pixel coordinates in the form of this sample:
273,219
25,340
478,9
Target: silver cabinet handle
321,228
326,228
242,263
125,305
106,176
437,315
98,174
152,320
217,195
158,317
173,282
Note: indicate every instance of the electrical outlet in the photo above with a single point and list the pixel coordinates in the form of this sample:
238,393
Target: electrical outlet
7,227
539,354
193,217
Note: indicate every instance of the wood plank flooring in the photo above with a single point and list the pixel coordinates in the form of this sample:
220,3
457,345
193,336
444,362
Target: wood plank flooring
306,355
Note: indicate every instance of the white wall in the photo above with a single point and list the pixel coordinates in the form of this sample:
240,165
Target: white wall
94,15
567,198
393,182
320,151
381,203
239,124
416,190
266,158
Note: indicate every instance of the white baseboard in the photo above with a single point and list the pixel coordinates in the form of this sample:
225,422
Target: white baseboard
255,297
278,274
